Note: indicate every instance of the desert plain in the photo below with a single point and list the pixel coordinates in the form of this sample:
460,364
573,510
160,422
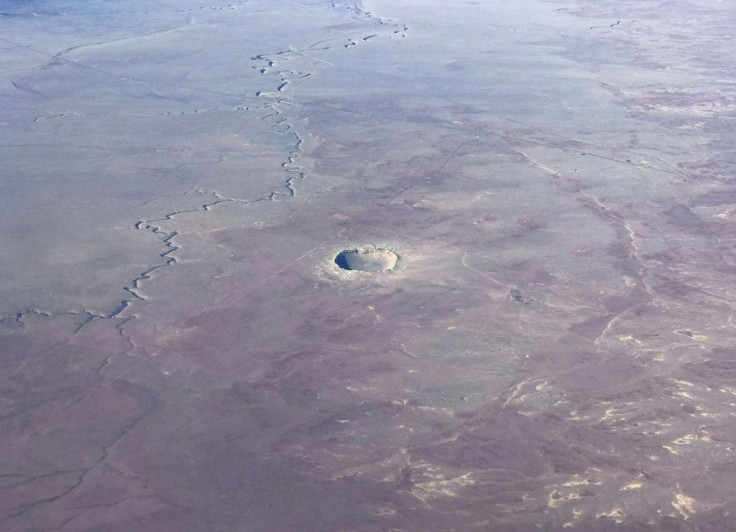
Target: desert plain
336,265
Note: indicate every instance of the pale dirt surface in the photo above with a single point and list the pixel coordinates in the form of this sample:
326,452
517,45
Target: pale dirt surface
553,349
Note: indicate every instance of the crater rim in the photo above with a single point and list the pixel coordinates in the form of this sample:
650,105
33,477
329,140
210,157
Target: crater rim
366,259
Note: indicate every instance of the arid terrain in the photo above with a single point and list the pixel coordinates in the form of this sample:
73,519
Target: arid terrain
379,265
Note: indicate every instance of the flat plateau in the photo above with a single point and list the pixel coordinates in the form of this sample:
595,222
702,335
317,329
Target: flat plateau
414,265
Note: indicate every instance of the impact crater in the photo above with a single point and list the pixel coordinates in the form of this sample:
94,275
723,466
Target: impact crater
372,260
